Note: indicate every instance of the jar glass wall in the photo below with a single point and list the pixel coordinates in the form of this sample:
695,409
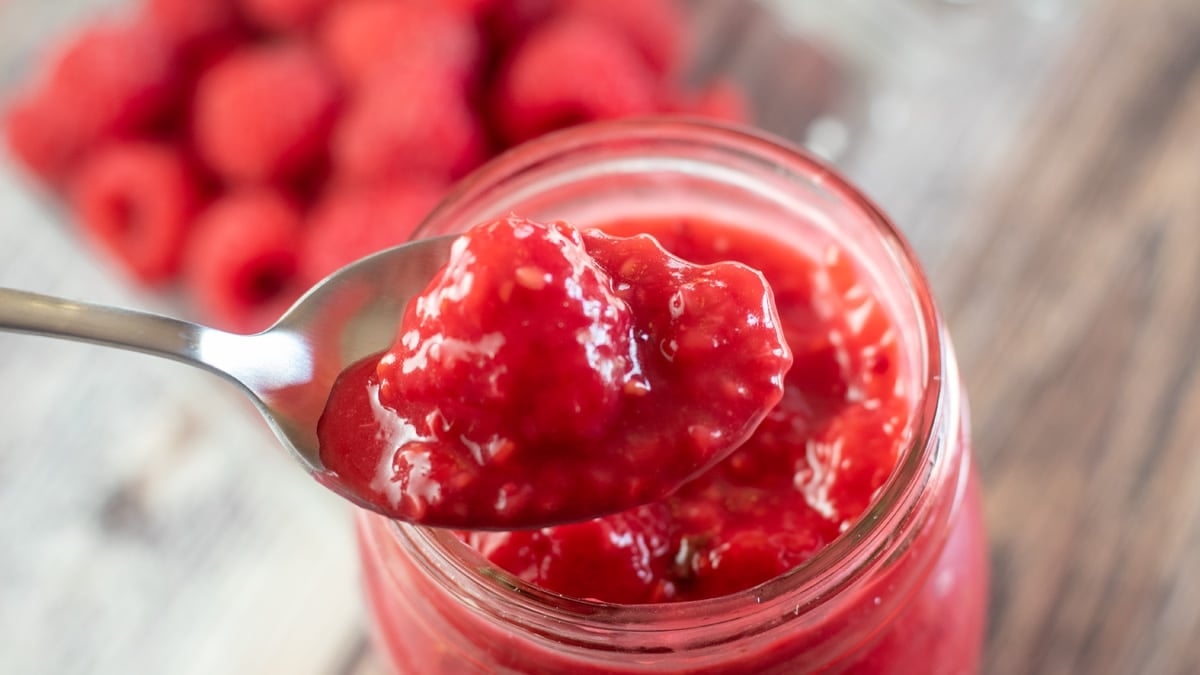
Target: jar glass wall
902,590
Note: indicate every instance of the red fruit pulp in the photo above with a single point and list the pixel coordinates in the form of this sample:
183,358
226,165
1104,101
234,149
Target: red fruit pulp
549,375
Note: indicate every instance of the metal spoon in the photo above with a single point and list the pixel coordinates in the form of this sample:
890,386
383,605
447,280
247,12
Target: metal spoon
286,370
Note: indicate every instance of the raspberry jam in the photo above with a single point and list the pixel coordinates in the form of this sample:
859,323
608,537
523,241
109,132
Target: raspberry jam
845,536
548,375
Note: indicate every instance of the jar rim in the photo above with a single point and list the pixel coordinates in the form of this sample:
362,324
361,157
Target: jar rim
866,543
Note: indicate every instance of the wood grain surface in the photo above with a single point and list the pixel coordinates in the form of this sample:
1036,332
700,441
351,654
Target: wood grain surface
1042,155
1077,310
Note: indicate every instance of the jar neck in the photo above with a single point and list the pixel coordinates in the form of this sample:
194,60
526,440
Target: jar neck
657,167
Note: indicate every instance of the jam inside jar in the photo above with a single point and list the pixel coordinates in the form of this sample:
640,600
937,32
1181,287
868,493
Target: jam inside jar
899,588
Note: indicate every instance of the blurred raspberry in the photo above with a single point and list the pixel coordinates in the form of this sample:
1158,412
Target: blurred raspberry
404,122
569,72
121,76
265,112
509,21
109,81
285,15
242,262
361,36
112,80
45,134
192,25
656,28
350,223
475,9
135,201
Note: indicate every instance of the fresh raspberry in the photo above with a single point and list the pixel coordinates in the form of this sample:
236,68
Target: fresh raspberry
404,122
135,201
361,36
265,113
45,135
509,21
569,72
113,80
285,15
195,25
654,28
242,263
352,222
476,10
121,77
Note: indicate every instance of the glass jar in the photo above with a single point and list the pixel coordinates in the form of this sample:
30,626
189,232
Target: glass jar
901,591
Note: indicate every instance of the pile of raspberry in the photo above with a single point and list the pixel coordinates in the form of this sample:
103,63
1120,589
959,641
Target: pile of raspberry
244,149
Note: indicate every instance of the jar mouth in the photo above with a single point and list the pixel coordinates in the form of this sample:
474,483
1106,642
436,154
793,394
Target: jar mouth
869,542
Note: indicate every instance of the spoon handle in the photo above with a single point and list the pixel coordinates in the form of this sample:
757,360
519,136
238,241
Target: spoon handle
36,314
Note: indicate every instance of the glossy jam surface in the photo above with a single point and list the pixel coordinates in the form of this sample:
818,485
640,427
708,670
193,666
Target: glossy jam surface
809,470
549,375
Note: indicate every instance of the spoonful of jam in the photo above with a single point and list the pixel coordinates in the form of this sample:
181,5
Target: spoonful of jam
544,375
549,374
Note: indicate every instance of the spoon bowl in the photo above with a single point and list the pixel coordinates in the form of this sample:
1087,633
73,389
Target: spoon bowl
287,370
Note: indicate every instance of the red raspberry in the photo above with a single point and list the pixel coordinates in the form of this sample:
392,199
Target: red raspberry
404,122
242,263
569,72
110,81
45,135
475,9
656,28
361,36
120,77
350,223
135,201
265,113
190,24
285,15
508,22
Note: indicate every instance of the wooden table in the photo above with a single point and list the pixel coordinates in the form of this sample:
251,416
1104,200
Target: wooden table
1043,156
